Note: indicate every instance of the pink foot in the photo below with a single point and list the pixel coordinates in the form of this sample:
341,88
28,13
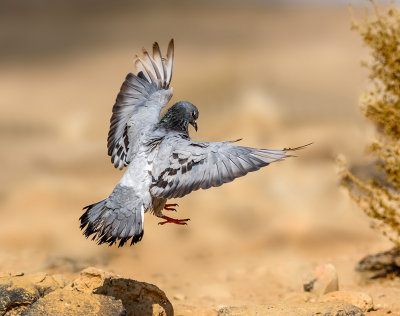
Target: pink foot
173,220
170,207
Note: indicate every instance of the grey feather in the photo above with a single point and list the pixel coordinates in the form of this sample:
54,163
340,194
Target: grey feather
221,163
110,221
131,110
169,62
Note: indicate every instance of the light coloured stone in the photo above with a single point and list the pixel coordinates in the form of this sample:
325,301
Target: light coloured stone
325,280
46,283
90,279
138,298
69,303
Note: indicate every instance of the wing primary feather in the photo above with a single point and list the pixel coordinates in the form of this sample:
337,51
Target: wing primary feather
165,71
157,56
228,169
151,75
237,163
217,176
140,68
250,164
258,161
170,61
153,64
142,86
223,171
205,180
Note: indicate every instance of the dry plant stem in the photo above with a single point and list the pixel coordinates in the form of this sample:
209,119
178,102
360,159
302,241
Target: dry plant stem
378,198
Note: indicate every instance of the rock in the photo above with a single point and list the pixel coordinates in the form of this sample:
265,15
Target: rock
95,292
325,280
17,291
46,283
72,303
16,294
293,309
90,279
138,298
359,299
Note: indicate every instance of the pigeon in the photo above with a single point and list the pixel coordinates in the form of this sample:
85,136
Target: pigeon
162,161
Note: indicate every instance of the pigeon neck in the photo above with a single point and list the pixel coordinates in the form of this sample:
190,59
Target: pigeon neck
173,123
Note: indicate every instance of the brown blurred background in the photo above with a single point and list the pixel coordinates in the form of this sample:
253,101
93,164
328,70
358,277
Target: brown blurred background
275,73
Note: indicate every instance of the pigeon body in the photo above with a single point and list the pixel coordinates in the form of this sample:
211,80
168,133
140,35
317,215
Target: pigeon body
162,161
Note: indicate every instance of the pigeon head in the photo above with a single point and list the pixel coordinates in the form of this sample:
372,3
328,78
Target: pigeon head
179,116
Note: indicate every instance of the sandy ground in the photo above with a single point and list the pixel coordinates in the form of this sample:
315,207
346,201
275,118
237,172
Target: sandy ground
275,76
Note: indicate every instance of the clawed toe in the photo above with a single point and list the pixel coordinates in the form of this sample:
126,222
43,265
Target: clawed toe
170,207
173,220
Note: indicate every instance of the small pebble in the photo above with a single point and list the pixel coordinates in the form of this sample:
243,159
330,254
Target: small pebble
325,280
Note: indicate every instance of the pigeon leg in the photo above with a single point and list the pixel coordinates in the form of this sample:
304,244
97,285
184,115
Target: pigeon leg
170,207
173,220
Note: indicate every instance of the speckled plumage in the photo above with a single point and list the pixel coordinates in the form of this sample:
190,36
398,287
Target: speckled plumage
162,162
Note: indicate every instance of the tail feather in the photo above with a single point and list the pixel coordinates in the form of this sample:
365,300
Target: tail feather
107,225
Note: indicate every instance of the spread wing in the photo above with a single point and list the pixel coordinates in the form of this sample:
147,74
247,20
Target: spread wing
183,166
147,89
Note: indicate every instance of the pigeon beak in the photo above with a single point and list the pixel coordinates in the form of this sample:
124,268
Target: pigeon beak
194,124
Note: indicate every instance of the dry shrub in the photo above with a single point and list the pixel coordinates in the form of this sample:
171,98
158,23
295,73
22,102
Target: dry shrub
379,197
